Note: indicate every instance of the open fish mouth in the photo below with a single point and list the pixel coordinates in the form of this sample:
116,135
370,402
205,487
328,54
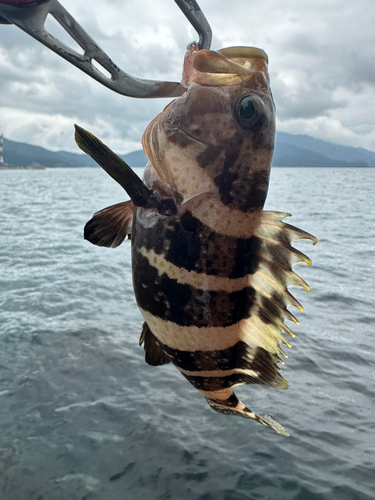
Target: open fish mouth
226,66
230,60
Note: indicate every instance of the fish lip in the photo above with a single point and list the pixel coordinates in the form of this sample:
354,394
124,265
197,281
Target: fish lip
193,137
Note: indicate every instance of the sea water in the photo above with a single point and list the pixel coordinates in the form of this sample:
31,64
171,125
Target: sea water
82,416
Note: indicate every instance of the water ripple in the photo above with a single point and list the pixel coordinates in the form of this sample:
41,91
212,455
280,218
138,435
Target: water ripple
83,417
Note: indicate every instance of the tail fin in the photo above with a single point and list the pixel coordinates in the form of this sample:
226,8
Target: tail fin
232,406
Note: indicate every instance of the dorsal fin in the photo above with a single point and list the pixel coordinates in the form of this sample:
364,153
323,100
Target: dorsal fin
110,226
154,354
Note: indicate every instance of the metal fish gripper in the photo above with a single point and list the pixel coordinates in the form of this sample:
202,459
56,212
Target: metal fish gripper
31,15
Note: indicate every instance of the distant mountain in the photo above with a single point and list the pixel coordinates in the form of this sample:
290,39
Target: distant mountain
24,155
135,159
304,151
290,151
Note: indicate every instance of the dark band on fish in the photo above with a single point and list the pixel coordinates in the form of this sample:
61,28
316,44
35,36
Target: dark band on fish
252,194
237,186
270,311
220,383
237,357
226,406
209,155
185,305
191,245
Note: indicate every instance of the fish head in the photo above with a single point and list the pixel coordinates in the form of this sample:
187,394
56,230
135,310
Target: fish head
218,137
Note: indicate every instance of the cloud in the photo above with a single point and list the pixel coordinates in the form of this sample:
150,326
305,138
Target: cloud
328,129
298,96
321,68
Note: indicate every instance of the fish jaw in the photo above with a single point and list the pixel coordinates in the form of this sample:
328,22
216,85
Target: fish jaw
223,67
201,144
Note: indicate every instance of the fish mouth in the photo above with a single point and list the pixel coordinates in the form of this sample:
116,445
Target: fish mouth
231,60
224,67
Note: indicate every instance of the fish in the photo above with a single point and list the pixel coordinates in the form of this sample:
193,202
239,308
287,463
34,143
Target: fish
211,268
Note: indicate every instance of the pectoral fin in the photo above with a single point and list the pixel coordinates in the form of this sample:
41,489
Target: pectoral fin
154,354
120,171
110,226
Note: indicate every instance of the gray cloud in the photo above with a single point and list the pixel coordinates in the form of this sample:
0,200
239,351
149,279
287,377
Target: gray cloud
321,67
307,99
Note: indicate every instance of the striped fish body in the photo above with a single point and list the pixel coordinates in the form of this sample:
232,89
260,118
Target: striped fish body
211,268
211,281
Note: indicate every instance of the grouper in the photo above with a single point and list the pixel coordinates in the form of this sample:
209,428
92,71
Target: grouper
211,268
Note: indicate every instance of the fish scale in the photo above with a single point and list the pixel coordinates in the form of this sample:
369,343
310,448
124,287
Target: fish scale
211,268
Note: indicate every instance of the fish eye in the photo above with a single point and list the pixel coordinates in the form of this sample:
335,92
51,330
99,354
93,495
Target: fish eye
249,111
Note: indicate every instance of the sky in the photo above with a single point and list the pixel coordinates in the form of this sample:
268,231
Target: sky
321,63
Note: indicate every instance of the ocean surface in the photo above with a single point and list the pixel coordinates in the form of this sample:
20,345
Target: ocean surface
82,417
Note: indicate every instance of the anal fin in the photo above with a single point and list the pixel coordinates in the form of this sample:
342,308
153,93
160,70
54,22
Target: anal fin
110,226
154,354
